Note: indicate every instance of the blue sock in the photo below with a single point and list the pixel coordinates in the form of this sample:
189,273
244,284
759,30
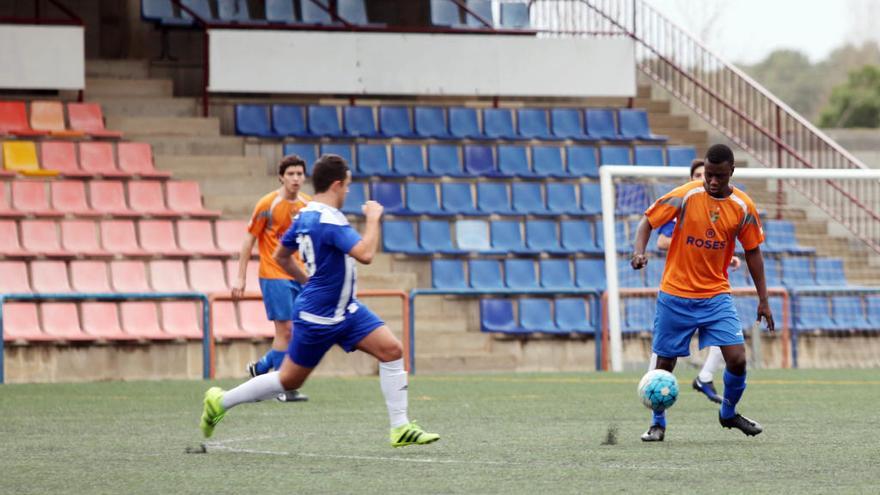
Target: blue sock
277,358
734,386
267,362
660,418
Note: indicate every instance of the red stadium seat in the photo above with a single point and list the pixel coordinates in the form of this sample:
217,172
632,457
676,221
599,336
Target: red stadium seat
13,120
9,245
197,237
181,319
252,278
231,234
50,277
207,276
253,319
49,116
5,210
29,196
81,237
61,156
89,276
168,276
101,320
118,236
225,321
21,157
137,159
157,237
97,159
60,320
41,237
141,320
69,196
21,323
14,277
88,118
129,276
145,197
108,197
185,198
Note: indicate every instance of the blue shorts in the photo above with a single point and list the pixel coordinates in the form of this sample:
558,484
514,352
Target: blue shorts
310,341
677,318
278,297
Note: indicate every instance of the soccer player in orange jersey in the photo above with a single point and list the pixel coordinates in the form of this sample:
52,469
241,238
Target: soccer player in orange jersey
694,292
272,216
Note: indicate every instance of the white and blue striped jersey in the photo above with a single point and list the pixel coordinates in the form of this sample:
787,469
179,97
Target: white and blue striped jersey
323,237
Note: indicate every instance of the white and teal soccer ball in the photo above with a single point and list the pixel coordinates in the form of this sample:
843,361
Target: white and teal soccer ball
658,390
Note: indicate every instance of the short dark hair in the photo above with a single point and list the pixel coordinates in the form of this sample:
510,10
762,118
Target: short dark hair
695,165
719,153
291,161
328,169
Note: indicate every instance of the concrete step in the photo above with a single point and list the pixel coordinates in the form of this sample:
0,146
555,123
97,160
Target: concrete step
453,342
214,167
395,281
147,106
233,205
652,106
227,146
128,87
685,136
666,120
117,69
643,91
165,126
463,362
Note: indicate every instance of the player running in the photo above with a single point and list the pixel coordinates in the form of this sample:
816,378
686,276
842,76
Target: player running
694,292
327,312
272,217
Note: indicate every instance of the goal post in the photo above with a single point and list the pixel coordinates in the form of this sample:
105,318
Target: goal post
609,175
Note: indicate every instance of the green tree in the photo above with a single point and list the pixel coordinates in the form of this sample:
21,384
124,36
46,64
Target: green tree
855,103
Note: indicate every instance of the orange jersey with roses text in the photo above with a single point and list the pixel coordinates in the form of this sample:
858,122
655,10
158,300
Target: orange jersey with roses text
272,216
704,238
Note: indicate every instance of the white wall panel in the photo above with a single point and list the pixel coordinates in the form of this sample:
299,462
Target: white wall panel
42,57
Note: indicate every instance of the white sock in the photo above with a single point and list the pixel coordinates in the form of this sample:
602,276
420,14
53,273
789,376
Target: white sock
259,388
714,362
392,379
653,363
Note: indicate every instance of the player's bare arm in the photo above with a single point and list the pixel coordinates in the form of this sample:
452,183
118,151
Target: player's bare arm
643,233
244,256
284,257
365,250
755,261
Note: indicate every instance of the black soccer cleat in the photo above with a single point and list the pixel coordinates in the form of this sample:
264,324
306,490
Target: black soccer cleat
741,423
292,396
707,389
252,369
654,434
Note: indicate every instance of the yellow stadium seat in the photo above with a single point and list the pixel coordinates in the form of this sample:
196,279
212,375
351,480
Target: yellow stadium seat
21,157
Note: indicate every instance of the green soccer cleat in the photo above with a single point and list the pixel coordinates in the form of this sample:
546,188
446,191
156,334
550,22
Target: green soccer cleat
411,434
213,411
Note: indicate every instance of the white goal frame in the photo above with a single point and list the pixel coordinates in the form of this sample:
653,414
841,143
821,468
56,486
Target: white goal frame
607,176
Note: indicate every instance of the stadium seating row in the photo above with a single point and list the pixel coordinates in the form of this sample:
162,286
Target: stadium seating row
538,315
47,119
105,198
83,160
846,313
110,238
422,122
514,15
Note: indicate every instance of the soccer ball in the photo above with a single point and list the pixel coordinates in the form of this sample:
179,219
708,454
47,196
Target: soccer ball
658,390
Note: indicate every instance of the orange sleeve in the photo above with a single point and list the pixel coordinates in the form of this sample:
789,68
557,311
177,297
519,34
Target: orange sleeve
751,235
259,219
666,207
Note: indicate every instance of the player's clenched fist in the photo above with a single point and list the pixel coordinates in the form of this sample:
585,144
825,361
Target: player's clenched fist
638,261
372,210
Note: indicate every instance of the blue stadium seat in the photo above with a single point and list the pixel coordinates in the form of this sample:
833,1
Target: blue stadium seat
547,162
829,271
582,161
202,8
324,121
281,11
289,120
519,273
527,199
448,274
515,15
407,160
485,274
498,123
812,313
556,274
444,160
627,277
796,272
771,272
872,304
571,315
354,12
513,161
541,236
458,198
473,236
780,238
463,123
430,123
253,120
747,309
357,196
654,272
599,123
776,309
421,199
623,243
359,121
234,11
434,237
577,236
589,273
496,315
849,313
395,122
680,156
507,237
532,124
162,12
649,155
639,314
614,155
493,197
536,315
661,188
634,125
562,199
445,13
738,277
566,124
388,194
304,151
343,150
314,14
591,198
399,236
372,160
482,8
479,161
632,199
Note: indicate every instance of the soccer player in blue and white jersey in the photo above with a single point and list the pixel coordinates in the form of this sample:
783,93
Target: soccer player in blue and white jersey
326,311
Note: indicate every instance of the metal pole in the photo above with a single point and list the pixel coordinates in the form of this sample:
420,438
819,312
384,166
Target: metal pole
616,345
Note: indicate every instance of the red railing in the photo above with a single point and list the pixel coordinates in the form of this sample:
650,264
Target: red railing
758,122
